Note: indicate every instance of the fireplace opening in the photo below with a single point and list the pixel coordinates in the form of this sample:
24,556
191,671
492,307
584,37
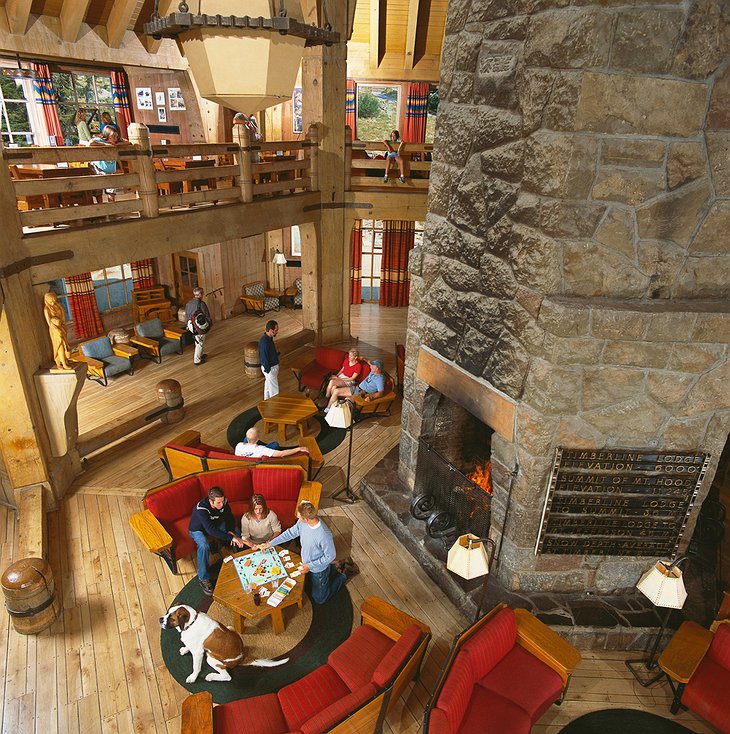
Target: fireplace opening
453,489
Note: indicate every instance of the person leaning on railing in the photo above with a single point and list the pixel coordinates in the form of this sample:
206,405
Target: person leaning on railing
108,136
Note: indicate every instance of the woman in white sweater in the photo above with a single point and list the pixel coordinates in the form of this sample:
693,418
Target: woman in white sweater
259,523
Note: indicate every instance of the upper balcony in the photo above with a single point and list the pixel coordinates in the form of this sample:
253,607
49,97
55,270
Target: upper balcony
163,199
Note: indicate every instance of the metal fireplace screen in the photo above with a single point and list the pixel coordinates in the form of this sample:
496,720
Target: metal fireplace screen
448,501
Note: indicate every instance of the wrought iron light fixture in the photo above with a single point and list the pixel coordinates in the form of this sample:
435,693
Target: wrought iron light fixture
20,72
218,45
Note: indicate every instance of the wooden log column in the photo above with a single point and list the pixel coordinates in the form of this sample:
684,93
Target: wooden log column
325,247
23,439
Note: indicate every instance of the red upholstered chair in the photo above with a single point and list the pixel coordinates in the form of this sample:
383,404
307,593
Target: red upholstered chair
698,662
501,675
313,375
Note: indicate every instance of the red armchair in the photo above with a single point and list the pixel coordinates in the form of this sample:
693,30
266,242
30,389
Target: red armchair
698,665
313,374
501,675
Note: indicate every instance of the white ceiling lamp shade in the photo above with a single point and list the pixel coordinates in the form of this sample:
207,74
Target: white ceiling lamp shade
245,62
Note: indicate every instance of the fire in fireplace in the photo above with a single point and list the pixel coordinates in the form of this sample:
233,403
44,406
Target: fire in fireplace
482,477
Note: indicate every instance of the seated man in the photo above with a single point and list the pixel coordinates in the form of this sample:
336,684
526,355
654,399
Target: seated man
318,553
252,449
372,387
212,517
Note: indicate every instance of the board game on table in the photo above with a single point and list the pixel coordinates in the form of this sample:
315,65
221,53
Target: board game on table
259,567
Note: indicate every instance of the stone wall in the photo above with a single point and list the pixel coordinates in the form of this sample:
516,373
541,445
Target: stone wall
576,253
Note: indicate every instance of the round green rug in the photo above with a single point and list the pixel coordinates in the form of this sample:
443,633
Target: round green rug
313,633
623,721
328,438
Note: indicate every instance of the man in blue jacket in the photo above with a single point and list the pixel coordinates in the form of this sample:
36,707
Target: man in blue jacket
212,517
318,552
269,360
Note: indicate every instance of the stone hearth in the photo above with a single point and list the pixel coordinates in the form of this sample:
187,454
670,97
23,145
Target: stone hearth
625,621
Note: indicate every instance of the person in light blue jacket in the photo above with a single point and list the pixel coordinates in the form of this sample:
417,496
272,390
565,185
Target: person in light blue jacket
318,553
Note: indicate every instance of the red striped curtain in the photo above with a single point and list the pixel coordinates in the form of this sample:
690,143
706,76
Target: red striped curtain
120,100
356,264
82,302
143,274
414,130
395,281
46,98
350,106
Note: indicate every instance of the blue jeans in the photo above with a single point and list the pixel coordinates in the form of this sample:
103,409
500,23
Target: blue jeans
201,540
325,584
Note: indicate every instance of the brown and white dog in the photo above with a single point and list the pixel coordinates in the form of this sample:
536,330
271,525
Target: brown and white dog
202,635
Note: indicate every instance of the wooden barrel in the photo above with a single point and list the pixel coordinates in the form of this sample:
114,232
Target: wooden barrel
169,393
30,595
251,360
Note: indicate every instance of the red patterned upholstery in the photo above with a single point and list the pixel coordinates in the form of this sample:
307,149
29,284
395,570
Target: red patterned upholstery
192,450
174,501
357,658
489,713
707,691
326,360
338,710
257,715
237,484
486,648
456,693
305,698
398,654
277,484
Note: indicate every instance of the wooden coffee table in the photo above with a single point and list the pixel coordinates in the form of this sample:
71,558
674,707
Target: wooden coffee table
229,592
285,410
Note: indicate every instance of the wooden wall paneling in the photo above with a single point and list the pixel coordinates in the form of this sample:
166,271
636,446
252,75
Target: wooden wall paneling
188,120
242,263
211,278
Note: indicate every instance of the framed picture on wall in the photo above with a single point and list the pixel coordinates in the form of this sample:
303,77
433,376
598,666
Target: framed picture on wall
144,98
161,114
160,99
296,104
174,94
295,244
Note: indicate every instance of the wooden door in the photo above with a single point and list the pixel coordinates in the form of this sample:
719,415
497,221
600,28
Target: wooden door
186,275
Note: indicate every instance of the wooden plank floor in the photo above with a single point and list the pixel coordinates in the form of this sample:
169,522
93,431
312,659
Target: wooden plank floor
99,668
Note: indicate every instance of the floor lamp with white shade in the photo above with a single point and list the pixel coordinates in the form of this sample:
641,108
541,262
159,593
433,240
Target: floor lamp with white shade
471,557
340,415
663,585
279,260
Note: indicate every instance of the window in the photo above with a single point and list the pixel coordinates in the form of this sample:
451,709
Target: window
112,286
372,255
59,288
15,122
377,111
431,111
84,92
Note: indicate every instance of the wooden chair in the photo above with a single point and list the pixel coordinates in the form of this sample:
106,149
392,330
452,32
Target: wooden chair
379,406
166,188
154,339
254,300
103,360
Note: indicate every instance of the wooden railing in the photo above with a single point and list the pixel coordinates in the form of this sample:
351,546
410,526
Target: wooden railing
151,180
361,171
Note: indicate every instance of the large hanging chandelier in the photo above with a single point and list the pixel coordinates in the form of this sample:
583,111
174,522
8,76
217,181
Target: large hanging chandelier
245,62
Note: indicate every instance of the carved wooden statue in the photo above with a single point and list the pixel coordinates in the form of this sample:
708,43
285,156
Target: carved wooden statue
56,321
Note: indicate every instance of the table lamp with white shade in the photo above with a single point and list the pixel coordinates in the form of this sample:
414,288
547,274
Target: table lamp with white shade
471,557
663,585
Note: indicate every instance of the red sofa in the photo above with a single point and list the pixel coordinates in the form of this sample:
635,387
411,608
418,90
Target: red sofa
327,361
163,523
501,675
352,692
186,454
705,660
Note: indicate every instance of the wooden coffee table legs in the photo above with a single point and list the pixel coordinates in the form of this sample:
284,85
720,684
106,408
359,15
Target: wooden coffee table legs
301,425
277,620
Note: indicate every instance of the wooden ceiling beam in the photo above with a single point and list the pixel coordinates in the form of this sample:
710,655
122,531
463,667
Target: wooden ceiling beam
419,12
165,7
18,12
378,20
72,16
119,20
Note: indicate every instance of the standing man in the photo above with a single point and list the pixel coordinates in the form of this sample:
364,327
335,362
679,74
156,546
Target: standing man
318,553
212,517
269,360
194,308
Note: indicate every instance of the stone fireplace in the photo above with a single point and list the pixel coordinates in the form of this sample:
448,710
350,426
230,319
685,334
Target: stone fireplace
572,287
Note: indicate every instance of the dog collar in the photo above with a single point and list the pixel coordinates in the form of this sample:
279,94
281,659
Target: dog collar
192,619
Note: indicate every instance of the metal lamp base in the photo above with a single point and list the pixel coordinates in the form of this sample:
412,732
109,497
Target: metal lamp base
644,672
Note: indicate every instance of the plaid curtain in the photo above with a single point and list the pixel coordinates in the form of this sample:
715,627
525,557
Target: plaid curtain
120,100
82,302
350,106
46,98
395,282
414,130
356,264
143,276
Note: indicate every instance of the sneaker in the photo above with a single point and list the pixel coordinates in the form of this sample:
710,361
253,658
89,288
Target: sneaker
402,179
206,586
385,179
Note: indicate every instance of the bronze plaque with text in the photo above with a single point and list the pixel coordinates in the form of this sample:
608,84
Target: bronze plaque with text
621,502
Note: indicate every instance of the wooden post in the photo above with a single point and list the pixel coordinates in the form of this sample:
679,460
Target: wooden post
139,135
242,137
313,136
348,158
